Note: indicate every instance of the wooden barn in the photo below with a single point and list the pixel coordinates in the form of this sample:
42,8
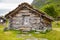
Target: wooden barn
26,18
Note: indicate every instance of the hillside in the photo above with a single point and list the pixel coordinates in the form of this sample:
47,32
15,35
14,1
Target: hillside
41,3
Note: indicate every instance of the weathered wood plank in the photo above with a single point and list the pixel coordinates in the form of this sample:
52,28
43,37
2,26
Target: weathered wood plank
34,21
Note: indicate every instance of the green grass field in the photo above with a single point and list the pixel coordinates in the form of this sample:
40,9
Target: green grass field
15,35
56,24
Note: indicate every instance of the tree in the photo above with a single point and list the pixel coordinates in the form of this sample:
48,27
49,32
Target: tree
50,10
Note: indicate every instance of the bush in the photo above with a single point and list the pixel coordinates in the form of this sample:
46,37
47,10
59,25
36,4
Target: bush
50,10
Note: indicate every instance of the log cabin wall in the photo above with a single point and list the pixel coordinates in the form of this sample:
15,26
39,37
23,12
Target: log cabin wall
33,20
45,23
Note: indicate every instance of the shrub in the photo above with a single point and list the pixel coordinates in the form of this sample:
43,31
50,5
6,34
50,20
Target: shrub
50,10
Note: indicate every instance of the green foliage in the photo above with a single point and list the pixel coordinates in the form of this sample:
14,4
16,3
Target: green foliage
42,3
50,10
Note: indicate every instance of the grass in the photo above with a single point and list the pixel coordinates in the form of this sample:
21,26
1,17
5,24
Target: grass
56,24
15,35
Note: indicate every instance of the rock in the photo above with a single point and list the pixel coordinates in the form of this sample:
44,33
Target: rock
30,34
33,29
28,39
44,30
32,39
43,39
23,35
38,30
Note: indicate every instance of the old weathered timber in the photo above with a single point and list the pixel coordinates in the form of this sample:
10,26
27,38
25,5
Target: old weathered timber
26,18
